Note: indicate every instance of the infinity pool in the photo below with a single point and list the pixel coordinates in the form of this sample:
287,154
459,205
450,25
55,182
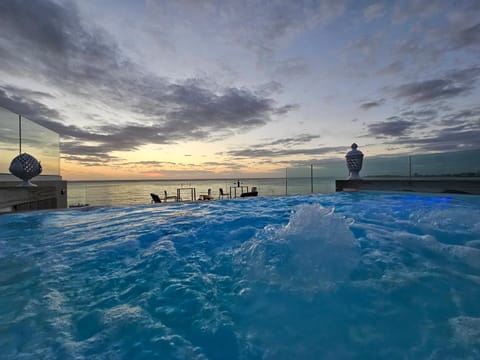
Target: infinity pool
341,276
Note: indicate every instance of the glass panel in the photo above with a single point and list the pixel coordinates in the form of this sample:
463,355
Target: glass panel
385,167
336,168
464,164
77,194
299,181
458,164
324,175
9,139
43,144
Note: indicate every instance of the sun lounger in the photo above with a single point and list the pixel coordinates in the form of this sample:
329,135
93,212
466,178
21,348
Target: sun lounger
155,198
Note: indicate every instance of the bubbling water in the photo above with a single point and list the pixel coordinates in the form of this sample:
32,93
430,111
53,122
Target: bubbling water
315,250
361,276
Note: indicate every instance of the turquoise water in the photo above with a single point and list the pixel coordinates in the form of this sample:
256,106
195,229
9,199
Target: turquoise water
340,276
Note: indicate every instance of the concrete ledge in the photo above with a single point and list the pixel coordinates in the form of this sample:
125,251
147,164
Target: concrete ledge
47,195
429,186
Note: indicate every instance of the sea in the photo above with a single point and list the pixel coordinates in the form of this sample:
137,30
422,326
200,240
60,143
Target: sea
137,192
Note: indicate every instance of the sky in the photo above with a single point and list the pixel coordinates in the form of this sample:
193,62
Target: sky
240,88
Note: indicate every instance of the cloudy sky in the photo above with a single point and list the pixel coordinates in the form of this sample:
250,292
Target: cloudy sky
231,88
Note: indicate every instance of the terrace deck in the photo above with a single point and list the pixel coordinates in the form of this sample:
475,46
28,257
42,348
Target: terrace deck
452,186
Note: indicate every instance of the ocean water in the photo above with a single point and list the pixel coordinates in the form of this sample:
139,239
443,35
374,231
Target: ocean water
137,192
342,276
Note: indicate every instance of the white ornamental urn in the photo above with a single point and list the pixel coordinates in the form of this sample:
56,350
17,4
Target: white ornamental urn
25,167
354,162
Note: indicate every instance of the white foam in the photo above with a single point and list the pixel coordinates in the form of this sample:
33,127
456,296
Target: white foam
124,312
314,250
454,253
460,221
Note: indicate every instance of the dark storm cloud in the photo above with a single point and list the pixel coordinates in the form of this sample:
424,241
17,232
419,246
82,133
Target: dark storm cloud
292,141
465,116
219,163
447,139
92,160
285,109
456,130
453,139
212,114
431,43
47,41
200,108
372,104
148,163
75,149
467,37
20,101
431,90
282,147
88,63
20,104
426,115
262,152
392,127
40,113
454,83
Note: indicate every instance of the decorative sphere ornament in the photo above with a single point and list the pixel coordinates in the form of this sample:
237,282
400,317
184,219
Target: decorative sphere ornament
354,162
25,167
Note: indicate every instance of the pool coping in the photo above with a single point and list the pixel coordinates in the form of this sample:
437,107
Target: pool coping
450,186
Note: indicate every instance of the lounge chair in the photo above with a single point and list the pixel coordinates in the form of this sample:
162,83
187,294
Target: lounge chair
206,197
221,194
173,197
254,192
155,198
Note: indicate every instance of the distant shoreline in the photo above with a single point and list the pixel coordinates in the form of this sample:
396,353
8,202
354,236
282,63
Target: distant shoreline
152,180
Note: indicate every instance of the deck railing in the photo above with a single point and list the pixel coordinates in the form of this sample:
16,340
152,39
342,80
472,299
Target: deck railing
320,177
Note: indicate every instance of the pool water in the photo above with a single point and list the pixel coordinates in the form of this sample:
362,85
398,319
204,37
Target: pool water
341,276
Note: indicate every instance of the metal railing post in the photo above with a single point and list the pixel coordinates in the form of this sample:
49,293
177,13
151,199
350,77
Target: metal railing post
286,181
410,167
20,133
311,178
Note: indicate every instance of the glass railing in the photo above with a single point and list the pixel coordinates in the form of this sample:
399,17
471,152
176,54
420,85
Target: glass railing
9,138
320,178
299,181
310,179
21,135
449,164
384,167
453,164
